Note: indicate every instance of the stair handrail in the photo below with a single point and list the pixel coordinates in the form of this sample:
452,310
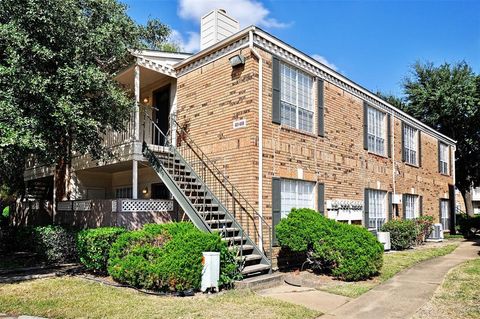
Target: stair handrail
224,178
214,170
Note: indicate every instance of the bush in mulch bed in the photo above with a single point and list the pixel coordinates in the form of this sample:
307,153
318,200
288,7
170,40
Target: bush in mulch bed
93,246
53,244
168,257
347,252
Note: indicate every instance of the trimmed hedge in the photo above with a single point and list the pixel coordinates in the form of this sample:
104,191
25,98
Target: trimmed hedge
167,257
55,244
93,246
403,233
347,252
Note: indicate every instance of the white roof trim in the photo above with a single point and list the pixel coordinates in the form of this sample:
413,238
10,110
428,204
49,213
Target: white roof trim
274,45
337,79
156,66
160,54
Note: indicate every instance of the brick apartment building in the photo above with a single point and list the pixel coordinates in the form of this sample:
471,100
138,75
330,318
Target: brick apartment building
279,130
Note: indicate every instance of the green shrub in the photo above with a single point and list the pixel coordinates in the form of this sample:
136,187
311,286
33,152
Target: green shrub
469,226
403,233
346,251
350,253
93,246
424,228
302,228
55,244
167,257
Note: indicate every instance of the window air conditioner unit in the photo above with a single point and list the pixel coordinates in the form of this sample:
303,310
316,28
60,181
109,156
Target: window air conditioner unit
437,233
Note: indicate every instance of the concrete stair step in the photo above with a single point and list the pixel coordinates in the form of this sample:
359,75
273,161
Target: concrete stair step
253,269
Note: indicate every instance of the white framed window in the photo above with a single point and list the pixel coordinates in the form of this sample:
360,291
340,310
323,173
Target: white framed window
296,89
376,130
296,194
377,208
444,158
412,206
123,192
410,145
445,214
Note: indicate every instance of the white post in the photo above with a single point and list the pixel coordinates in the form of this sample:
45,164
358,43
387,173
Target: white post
136,132
134,179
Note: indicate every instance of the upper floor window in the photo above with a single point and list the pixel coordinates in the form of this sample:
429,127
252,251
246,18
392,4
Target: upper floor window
377,208
412,207
376,131
296,194
443,158
410,145
296,98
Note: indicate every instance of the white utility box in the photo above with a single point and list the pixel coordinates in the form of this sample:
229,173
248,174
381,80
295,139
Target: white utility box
384,238
210,271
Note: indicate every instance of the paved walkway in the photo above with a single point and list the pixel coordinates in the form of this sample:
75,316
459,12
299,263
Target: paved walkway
399,297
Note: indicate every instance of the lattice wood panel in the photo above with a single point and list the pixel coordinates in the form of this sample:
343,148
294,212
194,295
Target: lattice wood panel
84,205
64,206
147,205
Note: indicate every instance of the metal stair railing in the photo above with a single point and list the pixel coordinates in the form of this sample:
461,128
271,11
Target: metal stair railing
217,184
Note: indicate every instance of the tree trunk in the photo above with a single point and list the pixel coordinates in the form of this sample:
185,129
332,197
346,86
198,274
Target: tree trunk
467,198
63,175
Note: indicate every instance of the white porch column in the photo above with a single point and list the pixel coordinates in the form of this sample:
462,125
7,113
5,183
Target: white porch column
136,118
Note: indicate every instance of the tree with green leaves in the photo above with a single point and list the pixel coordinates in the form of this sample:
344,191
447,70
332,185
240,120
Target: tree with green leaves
447,98
57,90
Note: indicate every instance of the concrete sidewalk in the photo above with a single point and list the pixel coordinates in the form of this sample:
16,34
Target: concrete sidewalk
402,295
307,297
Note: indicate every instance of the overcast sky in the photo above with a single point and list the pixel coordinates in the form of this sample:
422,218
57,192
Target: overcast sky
374,43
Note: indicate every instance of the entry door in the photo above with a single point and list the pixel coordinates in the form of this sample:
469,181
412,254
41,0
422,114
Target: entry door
160,191
161,102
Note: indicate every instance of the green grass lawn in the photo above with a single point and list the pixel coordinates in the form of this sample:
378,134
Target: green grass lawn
392,264
73,297
459,295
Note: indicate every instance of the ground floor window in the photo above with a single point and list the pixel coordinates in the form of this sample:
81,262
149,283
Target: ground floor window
445,214
411,205
296,194
377,208
123,192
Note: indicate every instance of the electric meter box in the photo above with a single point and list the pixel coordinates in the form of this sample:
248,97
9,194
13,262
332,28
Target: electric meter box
210,271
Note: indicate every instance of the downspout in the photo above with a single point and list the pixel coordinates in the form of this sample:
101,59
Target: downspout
260,139
393,153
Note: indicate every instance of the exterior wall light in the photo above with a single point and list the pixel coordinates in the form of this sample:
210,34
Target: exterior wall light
145,191
237,60
146,100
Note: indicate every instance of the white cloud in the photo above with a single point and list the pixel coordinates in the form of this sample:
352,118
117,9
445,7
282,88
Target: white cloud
247,12
323,60
189,43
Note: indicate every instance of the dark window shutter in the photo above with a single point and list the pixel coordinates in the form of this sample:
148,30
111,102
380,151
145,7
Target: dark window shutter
276,206
365,125
439,166
420,205
276,117
389,135
440,211
403,142
321,198
321,108
365,208
419,148
450,160
404,204
390,206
